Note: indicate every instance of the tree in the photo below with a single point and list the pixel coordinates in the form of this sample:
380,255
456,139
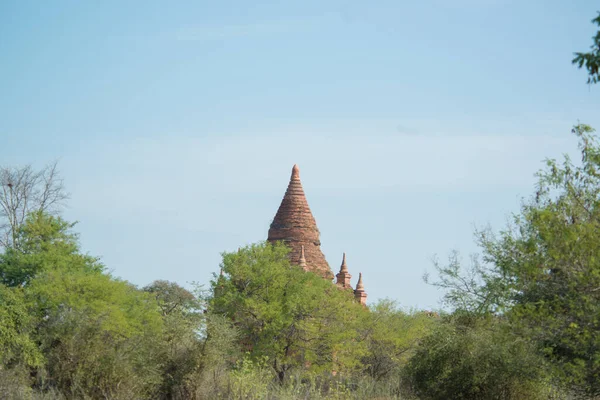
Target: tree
101,337
81,331
16,324
543,272
219,353
591,60
183,321
23,191
468,357
174,300
391,336
288,317
45,242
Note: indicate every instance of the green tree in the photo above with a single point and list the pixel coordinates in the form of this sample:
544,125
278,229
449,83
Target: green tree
391,337
182,347
16,324
219,354
469,357
543,272
83,332
591,60
286,316
46,242
101,337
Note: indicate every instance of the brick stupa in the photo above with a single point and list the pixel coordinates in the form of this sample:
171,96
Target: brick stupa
295,225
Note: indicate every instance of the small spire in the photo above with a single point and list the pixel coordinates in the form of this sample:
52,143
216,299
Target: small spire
221,274
295,172
343,277
344,267
359,293
302,258
359,286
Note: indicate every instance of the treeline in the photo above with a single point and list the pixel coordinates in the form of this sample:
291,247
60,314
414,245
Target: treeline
524,323
524,320
263,329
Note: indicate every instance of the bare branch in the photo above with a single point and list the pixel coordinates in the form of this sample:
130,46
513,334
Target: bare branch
24,190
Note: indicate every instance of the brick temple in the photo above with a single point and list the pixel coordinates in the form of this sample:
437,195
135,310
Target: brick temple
295,225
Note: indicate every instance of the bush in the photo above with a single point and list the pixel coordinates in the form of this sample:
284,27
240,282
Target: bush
477,358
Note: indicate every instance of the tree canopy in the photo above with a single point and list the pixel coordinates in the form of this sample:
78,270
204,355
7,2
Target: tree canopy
543,272
286,316
591,59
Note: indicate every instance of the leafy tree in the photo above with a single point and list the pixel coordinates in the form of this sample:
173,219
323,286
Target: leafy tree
477,358
101,337
543,272
85,333
46,242
15,327
591,60
220,352
286,316
174,300
183,321
391,336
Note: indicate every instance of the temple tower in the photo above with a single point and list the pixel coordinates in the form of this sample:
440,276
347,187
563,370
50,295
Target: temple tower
359,293
343,277
295,225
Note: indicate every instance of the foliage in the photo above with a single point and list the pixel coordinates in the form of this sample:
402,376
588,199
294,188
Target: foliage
543,272
100,336
182,319
46,243
250,379
591,60
526,317
479,289
15,328
469,357
81,331
290,317
219,353
391,337
174,300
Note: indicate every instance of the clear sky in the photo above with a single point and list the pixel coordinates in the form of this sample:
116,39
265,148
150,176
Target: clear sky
177,125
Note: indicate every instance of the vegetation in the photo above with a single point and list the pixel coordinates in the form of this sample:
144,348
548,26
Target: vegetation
591,60
522,322
542,274
467,357
286,317
71,330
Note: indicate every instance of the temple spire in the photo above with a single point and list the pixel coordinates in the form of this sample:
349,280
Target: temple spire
344,267
295,225
295,172
302,259
343,277
359,293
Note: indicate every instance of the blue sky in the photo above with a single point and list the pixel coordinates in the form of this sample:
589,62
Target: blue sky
176,126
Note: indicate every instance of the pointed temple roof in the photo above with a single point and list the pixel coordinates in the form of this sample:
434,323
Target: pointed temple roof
359,293
359,286
343,277
344,266
295,225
